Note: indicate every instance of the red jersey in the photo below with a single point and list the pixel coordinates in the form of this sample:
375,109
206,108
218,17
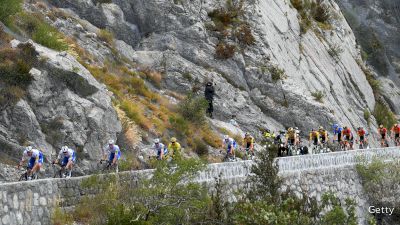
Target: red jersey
361,133
396,129
346,132
382,130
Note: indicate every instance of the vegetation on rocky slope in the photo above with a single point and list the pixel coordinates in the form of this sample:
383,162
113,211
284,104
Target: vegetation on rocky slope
15,65
381,181
231,28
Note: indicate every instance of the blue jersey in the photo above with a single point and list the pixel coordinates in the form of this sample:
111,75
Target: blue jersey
337,131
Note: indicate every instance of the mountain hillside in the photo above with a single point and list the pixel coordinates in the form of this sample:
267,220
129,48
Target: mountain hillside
123,69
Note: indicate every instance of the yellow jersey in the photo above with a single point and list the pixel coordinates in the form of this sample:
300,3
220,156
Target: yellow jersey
248,140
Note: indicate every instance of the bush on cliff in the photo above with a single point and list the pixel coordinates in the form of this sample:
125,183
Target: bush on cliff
9,8
381,182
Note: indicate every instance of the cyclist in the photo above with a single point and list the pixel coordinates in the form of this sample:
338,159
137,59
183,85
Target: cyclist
323,135
395,133
383,132
280,140
175,149
361,133
248,141
160,148
337,131
347,135
67,157
113,152
296,129
230,145
314,137
291,137
34,158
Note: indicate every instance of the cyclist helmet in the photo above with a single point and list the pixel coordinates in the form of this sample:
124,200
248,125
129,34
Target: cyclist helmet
111,142
360,128
345,127
173,139
268,131
29,149
296,128
335,126
226,137
381,126
64,149
290,129
321,128
247,134
282,131
156,141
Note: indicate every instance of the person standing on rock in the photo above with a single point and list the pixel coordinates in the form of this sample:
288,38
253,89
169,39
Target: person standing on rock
209,95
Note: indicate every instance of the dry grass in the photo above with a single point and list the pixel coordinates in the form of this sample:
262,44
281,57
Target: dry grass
154,77
106,36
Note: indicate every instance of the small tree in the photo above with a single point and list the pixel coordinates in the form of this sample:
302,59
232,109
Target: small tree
193,108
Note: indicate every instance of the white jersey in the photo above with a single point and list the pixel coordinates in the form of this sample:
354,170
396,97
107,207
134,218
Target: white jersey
35,154
70,153
229,142
114,149
159,147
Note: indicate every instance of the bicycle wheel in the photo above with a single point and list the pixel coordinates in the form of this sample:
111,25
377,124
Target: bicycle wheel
23,177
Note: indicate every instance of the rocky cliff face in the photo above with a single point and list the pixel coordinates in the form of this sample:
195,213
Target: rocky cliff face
175,37
65,105
376,25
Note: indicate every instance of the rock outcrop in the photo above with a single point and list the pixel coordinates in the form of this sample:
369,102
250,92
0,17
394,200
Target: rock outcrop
376,25
65,105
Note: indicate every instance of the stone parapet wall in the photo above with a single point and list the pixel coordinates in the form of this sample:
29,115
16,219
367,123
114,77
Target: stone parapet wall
33,202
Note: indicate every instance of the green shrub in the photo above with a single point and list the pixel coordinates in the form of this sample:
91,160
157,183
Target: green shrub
321,12
9,8
367,116
61,218
193,109
15,65
179,125
102,1
200,147
335,51
40,31
276,73
224,51
187,76
384,115
318,96
10,95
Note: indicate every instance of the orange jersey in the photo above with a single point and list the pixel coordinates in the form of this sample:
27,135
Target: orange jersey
396,129
361,133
